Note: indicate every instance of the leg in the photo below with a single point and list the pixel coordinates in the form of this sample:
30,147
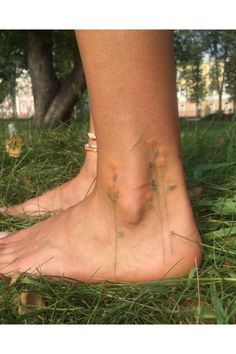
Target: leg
137,224
63,196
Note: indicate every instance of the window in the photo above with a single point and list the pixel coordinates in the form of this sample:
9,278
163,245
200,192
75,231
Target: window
182,107
212,107
182,92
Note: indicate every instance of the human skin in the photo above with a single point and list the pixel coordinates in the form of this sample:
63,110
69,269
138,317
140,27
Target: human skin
137,223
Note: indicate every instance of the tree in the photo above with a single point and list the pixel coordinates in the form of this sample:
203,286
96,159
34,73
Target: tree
220,45
189,49
57,83
54,64
12,58
230,77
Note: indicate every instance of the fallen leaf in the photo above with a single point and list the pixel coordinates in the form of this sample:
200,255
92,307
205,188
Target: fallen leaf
14,146
14,277
28,301
10,278
196,192
6,280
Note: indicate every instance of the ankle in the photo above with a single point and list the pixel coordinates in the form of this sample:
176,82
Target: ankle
130,205
90,164
131,211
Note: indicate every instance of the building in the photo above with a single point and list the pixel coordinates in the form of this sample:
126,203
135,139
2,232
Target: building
24,100
209,105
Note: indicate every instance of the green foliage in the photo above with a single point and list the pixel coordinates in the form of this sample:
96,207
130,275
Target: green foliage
13,55
12,59
230,74
189,46
219,45
65,52
189,50
221,48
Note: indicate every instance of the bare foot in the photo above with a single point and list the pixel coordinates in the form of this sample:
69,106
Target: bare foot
93,242
61,197
137,224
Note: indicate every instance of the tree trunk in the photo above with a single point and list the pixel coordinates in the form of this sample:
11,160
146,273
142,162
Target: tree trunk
222,85
61,107
44,81
220,101
13,98
54,101
198,110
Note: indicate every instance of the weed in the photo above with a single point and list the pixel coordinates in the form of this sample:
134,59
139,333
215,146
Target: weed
113,195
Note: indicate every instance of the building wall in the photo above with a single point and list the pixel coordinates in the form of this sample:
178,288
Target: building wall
209,105
24,100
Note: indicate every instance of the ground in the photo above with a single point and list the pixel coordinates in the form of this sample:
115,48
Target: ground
51,157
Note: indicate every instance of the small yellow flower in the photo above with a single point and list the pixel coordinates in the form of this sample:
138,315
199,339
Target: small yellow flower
168,180
169,183
152,142
109,186
163,150
160,162
113,166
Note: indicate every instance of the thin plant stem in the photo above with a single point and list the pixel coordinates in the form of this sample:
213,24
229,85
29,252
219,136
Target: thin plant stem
116,235
166,209
198,294
91,185
113,197
157,193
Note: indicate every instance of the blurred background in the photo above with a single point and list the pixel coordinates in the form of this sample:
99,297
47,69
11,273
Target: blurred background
41,75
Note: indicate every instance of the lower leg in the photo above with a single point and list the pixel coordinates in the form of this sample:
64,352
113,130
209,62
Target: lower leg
133,93
65,195
137,224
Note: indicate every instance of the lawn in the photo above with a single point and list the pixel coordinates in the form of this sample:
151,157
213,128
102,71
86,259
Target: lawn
51,157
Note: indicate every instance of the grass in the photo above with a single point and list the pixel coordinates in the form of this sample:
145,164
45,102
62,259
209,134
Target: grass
51,157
